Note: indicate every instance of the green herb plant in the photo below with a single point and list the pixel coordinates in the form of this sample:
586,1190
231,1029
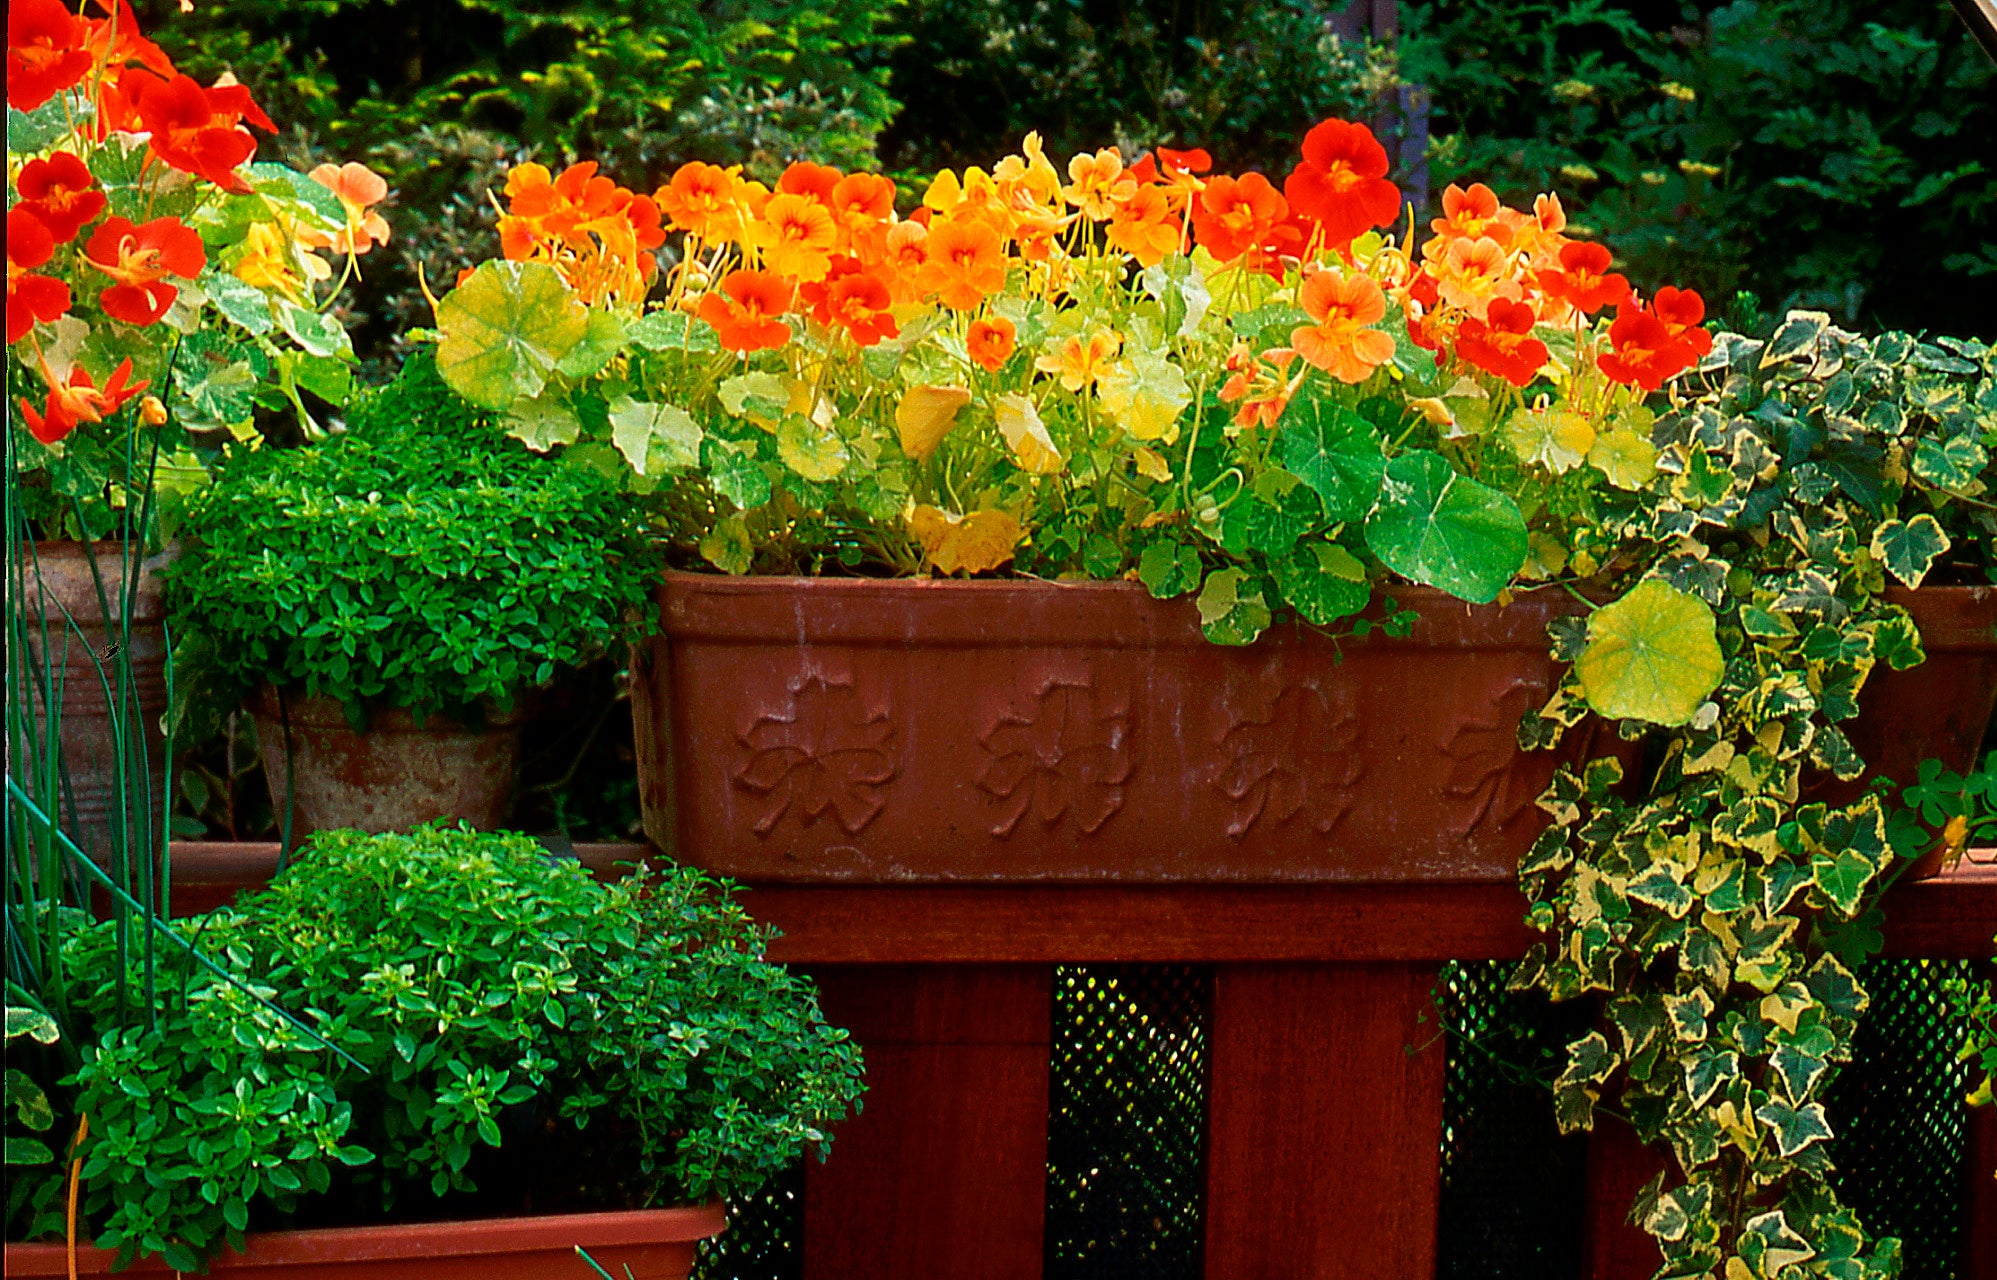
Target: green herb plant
516,1034
421,560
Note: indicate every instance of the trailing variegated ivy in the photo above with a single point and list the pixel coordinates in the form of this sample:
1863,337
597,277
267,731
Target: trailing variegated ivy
1720,905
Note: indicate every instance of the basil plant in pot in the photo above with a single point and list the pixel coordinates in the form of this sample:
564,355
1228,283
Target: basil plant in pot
455,1029
386,598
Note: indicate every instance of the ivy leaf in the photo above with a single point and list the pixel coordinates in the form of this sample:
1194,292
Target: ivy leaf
505,329
1319,581
1652,655
1797,337
1951,464
1706,1070
1799,1071
1794,1127
1229,615
654,438
1437,527
1336,452
1909,548
1834,985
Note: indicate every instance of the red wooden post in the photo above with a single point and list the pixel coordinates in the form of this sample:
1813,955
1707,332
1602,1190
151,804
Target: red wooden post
945,1171
1324,1132
1979,1196
1619,1166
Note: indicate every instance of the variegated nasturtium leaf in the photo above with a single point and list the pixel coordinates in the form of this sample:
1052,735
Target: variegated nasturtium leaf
505,329
1437,527
1909,548
814,452
1652,655
542,422
1322,581
654,438
1627,459
1557,439
600,341
1334,451
1232,610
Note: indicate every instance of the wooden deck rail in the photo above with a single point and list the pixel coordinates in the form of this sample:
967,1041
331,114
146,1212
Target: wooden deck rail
1323,1147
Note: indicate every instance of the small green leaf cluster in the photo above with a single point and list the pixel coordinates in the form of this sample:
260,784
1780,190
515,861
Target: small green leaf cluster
422,560
515,1034
1725,906
32,1168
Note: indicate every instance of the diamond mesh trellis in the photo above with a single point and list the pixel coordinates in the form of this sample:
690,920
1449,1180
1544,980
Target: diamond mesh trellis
1126,1122
764,1236
1898,1114
1512,1188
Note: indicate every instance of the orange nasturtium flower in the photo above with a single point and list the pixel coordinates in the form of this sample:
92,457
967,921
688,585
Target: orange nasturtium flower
1233,215
1467,214
746,319
860,201
139,259
1144,227
803,178
990,342
701,200
1502,342
963,262
358,188
74,399
854,300
30,297
1081,361
1342,182
1340,342
796,234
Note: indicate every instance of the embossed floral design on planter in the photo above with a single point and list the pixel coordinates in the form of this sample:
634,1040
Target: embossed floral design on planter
1295,753
1064,750
829,750
1485,757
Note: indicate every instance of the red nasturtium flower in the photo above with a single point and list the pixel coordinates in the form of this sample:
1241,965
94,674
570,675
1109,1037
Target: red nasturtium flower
854,300
30,297
76,399
1644,352
1584,281
140,258
47,52
1340,343
745,319
1683,311
1502,342
200,131
1233,215
61,194
1342,182
990,342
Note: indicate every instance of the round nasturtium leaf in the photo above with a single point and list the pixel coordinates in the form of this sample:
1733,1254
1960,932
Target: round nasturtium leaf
1334,451
505,329
1437,527
1651,655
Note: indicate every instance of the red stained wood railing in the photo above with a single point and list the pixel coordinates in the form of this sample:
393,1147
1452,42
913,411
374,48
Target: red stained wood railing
1325,1098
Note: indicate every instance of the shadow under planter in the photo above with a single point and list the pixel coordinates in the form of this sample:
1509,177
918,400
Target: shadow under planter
654,1244
397,774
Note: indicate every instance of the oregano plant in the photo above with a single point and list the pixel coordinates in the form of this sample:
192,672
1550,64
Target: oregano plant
1722,899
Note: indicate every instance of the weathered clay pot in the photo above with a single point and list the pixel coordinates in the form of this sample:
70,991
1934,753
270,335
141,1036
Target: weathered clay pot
656,1244
392,777
840,730
72,663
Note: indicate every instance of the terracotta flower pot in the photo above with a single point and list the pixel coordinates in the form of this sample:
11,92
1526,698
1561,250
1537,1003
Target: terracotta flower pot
83,660
841,730
390,778
656,1244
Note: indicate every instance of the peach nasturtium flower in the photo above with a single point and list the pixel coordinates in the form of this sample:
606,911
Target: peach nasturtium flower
358,189
1097,183
1079,361
1144,226
1340,343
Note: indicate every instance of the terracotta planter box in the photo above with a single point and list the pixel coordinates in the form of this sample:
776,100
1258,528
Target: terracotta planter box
656,1244
843,730
396,775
